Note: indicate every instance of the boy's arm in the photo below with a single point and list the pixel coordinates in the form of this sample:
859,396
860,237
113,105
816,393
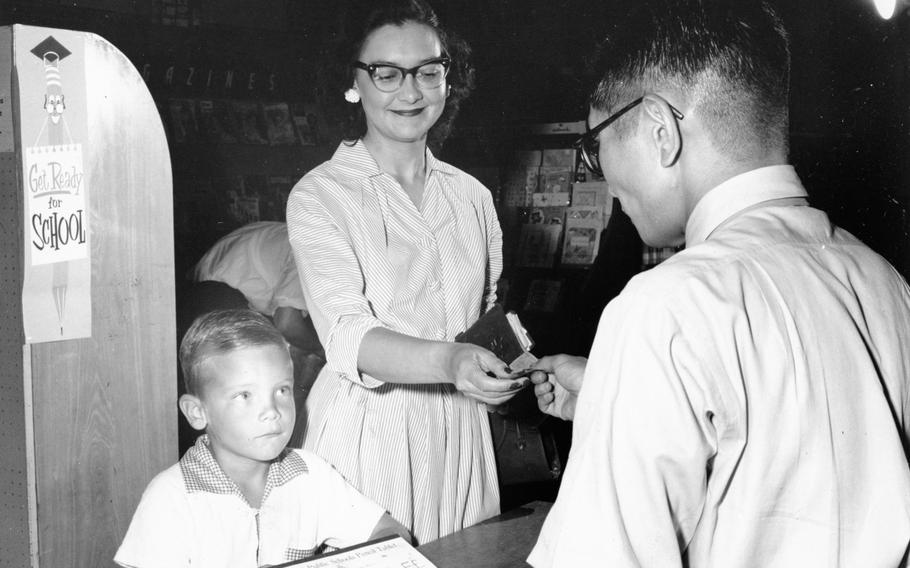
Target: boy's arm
387,526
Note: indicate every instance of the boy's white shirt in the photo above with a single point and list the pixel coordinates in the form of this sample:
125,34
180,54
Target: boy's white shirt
193,515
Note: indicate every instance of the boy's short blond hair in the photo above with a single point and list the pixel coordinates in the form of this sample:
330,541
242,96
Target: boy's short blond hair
219,332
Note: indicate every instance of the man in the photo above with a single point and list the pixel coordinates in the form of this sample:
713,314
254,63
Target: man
744,403
256,259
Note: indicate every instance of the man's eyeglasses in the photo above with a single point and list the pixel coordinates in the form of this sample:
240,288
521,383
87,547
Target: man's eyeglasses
589,144
389,78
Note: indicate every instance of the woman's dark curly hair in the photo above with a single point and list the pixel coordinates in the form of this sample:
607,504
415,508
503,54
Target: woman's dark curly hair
349,44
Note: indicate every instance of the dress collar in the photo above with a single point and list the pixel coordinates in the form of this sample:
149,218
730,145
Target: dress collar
355,161
740,193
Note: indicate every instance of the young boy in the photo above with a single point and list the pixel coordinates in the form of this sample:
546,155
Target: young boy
239,497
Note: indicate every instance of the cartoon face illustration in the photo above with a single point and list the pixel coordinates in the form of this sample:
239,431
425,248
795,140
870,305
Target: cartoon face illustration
54,106
51,53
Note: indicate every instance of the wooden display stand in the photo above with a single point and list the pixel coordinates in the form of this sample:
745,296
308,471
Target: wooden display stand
87,323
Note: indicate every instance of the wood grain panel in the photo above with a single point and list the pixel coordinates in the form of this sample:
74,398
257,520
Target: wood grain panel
105,406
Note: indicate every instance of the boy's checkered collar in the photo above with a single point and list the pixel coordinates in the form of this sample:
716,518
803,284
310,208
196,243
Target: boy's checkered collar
201,471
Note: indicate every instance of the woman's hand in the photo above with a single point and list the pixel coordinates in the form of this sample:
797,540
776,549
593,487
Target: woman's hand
557,380
471,367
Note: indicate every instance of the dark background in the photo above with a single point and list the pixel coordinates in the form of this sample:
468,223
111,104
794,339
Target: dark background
850,99
849,108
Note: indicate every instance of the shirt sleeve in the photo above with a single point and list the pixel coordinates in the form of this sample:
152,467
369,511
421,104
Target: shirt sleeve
332,280
346,516
158,535
635,486
288,291
232,260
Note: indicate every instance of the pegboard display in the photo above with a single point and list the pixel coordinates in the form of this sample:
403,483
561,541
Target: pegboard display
14,533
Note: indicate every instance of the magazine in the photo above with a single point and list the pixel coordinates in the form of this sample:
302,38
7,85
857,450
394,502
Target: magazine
252,124
217,122
183,120
279,126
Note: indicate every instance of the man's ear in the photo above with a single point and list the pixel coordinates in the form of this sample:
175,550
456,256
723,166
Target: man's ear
664,129
192,408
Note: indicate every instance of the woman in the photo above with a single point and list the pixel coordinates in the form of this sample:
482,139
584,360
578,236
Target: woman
398,253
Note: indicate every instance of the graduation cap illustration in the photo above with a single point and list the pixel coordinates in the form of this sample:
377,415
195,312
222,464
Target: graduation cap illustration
51,52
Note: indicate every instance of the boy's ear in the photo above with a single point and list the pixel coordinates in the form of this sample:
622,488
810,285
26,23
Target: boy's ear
191,407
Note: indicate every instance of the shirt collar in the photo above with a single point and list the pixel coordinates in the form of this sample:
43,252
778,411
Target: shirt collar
201,472
739,193
355,161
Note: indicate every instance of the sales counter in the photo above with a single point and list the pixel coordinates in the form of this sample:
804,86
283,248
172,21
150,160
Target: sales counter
504,541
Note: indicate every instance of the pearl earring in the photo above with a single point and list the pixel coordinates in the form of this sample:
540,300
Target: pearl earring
352,96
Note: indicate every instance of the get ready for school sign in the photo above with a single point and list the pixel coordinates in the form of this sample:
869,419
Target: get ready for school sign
56,298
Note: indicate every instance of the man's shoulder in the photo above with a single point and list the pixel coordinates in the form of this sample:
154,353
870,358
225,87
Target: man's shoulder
687,285
678,271
764,235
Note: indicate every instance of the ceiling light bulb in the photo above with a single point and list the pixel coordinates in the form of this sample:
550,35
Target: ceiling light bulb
885,8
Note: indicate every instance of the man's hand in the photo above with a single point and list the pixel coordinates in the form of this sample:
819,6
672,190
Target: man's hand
557,380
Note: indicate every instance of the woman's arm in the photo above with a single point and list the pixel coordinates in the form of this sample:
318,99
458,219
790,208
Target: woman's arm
385,353
330,273
356,343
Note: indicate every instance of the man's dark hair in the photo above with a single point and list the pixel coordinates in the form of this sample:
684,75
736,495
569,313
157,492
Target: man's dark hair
730,57
219,332
349,44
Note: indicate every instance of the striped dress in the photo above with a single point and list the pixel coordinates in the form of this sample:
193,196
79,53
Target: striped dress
368,257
